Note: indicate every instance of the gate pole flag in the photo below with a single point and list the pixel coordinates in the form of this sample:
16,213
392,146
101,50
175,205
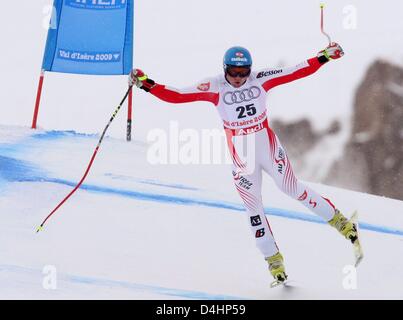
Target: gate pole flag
92,37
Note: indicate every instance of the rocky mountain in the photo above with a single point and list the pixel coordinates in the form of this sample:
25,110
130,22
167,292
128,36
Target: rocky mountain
373,156
371,159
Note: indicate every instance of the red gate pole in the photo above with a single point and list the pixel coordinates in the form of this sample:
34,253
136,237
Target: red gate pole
129,116
38,99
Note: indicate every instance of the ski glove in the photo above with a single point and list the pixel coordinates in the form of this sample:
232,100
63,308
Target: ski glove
140,80
332,52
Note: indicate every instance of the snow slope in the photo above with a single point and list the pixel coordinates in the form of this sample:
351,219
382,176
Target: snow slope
180,42
141,231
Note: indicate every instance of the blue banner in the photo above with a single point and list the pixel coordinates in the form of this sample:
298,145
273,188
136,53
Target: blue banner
90,37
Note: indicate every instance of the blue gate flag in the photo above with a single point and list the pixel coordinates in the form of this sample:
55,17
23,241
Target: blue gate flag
90,37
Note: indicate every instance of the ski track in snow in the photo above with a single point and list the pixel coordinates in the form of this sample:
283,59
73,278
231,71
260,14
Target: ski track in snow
99,282
14,170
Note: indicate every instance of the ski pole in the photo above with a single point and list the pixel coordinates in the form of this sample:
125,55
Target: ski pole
322,23
89,165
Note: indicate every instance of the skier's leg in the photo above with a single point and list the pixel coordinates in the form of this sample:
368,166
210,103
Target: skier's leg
247,174
249,188
280,169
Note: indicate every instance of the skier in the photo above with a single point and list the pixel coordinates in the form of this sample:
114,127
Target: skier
239,96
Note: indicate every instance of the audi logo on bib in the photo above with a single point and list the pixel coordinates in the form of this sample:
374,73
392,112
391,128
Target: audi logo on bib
240,96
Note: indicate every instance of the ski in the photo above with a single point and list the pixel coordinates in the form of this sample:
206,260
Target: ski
276,283
358,253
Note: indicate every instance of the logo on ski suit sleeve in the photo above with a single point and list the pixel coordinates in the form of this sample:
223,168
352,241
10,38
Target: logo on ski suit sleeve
204,86
268,73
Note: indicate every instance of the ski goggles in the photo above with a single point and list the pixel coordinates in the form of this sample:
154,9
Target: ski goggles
241,72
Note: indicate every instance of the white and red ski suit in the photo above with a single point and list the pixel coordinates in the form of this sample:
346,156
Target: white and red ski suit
244,115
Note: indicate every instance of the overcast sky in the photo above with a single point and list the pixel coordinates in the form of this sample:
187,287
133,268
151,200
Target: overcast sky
179,42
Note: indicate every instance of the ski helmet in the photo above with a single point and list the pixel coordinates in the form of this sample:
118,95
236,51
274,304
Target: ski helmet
237,57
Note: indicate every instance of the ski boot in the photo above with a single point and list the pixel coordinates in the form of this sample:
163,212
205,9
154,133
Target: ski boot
347,228
277,270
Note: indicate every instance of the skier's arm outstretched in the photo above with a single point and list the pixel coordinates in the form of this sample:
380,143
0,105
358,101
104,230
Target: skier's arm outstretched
270,78
208,90
202,91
